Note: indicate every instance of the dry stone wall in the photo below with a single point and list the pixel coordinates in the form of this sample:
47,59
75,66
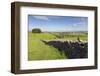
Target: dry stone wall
72,49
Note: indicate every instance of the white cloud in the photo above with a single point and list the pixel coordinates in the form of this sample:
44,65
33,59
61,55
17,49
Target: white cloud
75,25
80,24
41,17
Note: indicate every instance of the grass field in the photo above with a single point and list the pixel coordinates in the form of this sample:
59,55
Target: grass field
37,50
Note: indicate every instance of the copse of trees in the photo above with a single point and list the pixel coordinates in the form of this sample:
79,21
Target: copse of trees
36,30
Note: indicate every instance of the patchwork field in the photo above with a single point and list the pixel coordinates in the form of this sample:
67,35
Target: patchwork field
38,50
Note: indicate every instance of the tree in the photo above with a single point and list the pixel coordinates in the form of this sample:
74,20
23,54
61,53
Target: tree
36,30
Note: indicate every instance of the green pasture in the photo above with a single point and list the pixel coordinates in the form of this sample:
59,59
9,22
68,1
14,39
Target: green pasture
71,35
37,50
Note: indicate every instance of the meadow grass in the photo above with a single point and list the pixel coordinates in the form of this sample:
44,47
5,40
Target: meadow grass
37,50
72,36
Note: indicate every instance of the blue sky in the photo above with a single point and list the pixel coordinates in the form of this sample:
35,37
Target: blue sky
58,23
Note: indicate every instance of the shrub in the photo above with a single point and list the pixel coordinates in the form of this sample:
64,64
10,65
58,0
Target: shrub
36,30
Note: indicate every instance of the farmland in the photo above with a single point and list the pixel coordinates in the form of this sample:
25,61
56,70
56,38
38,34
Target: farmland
38,50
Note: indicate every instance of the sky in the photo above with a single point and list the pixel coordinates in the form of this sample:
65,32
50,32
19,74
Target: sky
58,23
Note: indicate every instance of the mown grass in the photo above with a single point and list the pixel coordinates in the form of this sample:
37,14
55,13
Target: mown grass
37,50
